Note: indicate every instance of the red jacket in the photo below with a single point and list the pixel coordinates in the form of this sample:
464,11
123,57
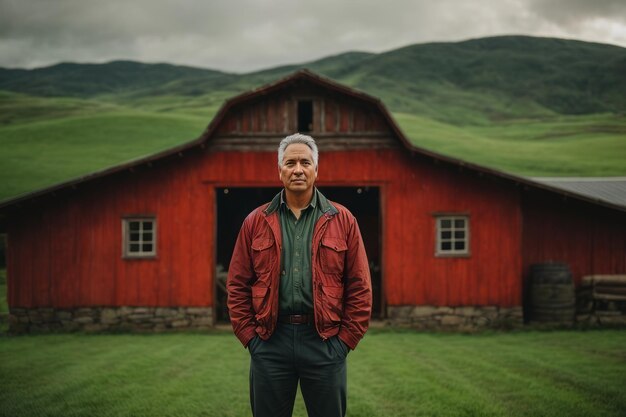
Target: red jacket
342,296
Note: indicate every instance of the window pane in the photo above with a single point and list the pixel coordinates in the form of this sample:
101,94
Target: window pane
459,223
459,234
139,236
445,223
459,245
446,235
446,245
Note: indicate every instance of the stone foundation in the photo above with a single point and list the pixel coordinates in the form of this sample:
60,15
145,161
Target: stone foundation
466,318
96,319
601,313
602,319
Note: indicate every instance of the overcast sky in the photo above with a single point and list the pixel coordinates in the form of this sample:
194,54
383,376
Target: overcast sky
247,35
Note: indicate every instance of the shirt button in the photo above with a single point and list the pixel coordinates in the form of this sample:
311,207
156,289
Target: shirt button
298,237
284,272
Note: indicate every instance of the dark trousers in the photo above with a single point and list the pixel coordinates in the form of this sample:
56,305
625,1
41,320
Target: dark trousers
295,352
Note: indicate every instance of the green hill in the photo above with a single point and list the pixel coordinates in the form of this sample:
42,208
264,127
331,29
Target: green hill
531,106
492,78
88,80
560,76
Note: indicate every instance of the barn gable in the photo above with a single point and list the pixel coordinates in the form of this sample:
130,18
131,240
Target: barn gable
337,117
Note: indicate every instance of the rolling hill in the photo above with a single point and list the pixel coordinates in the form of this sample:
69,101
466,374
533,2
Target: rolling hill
88,80
532,106
549,75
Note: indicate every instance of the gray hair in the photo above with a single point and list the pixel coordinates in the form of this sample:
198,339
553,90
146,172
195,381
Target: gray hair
297,138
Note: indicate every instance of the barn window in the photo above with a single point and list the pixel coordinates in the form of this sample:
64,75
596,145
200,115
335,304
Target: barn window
305,115
452,235
139,235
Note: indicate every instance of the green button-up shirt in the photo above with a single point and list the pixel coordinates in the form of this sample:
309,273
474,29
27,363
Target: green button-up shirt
296,288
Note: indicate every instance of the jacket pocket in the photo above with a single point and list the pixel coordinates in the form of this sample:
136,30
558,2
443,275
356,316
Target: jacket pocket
259,298
262,255
332,298
332,254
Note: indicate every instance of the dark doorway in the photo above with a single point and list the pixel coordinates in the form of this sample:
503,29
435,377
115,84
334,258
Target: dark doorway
234,204
364,203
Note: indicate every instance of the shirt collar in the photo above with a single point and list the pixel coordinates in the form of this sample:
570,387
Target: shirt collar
313,203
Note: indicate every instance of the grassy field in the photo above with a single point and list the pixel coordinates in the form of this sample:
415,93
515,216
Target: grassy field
42,153
392,373
557,146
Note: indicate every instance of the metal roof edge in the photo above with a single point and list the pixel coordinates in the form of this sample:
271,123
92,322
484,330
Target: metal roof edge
579,195
582,179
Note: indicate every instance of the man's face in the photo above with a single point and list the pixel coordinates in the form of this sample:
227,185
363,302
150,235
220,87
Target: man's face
297,171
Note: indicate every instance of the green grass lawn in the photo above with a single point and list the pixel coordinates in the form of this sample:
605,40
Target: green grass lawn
392,373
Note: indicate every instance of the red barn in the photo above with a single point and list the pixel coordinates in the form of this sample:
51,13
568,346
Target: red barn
144,245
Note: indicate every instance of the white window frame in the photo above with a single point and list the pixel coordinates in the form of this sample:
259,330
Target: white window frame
452,252
126,242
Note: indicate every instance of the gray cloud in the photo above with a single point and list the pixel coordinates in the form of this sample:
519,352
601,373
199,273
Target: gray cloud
573,13
245,35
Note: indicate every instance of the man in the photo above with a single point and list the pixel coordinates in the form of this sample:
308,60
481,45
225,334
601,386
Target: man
299,292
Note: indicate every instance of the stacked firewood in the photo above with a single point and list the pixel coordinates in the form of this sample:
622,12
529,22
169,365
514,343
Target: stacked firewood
602,293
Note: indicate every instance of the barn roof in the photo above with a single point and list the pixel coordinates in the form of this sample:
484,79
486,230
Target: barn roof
609,189
293,78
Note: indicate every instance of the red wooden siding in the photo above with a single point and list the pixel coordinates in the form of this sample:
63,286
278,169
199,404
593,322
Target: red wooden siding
413,275
590,239
70,254
77,242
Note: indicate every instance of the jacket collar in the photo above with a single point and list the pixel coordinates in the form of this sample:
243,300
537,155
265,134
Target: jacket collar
326,206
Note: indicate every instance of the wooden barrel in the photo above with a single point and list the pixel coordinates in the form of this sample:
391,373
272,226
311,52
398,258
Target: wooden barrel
552,294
